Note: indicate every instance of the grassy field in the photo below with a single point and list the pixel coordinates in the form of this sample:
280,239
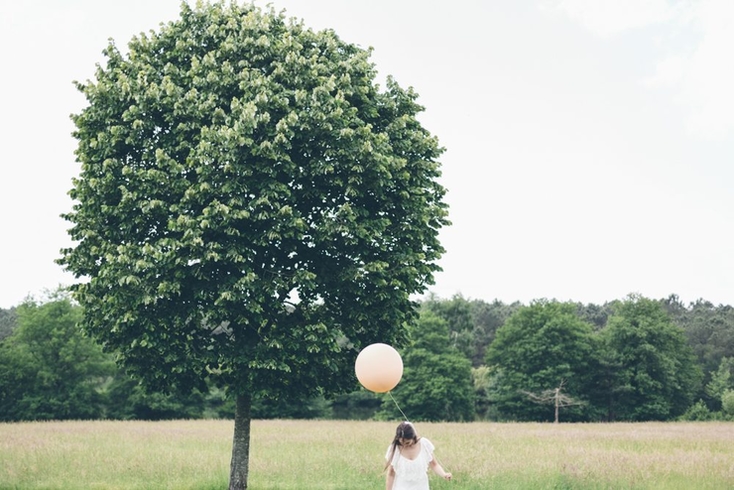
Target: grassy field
349,455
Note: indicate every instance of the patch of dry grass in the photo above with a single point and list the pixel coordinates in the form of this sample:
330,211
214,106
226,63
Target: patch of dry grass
649,456
349,455
113,455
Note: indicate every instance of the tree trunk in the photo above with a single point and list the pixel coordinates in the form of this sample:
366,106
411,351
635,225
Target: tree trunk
239,466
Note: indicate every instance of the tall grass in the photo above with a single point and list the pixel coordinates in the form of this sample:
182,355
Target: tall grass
349,455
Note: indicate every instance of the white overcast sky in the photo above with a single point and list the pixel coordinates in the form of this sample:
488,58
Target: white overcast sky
590,143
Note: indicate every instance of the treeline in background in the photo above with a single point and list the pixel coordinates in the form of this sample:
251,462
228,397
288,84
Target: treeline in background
635,359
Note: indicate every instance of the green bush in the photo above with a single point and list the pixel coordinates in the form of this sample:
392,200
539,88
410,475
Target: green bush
727,403
697,412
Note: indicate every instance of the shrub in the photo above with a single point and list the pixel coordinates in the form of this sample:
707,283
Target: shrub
697,412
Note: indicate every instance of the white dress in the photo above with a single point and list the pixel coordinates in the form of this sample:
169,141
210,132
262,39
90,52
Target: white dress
411,474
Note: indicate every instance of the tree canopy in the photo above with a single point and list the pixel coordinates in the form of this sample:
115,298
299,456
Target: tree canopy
252,207
656,372
437,382
439,376
8,321
540,347
48,369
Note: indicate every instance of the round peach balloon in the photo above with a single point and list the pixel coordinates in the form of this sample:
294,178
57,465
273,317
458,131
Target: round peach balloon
379,368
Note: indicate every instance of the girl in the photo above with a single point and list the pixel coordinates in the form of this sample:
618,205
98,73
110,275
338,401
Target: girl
408,460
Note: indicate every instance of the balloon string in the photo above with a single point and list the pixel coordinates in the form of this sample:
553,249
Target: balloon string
396,404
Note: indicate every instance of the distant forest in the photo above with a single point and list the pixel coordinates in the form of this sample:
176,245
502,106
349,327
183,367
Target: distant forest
633,359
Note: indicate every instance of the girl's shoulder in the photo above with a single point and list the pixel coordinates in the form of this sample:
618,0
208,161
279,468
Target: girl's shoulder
427,444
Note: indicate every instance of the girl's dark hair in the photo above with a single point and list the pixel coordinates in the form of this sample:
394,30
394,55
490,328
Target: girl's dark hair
405,430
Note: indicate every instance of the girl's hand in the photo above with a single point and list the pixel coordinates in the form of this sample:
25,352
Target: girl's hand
447,476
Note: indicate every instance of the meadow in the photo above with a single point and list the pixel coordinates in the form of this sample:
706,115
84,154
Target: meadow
287,454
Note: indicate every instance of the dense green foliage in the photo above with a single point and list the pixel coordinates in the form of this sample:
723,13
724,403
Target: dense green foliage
722,380
727,402
472,323
709,330
436,385
8,322
48,369
540,347
252,208
656,376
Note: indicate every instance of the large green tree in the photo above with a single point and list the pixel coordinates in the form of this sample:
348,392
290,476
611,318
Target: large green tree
48,368
437,380
542,346
655,372
252,207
